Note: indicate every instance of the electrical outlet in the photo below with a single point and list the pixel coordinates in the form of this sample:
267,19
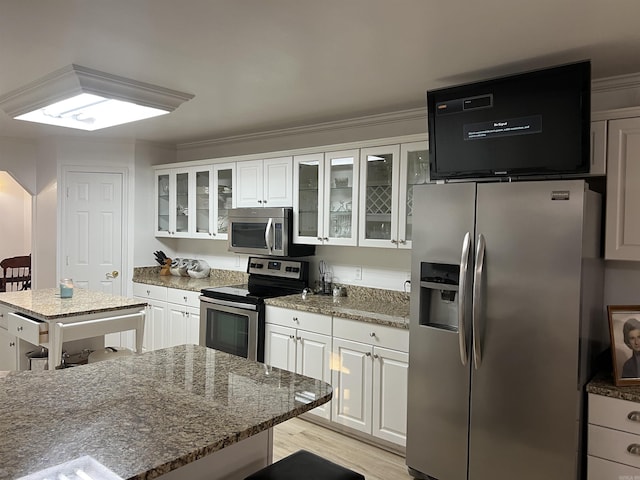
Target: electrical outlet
358,273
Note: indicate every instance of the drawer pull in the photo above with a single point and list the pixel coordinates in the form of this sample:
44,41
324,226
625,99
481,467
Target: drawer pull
634,449
372,334
634,416
19,329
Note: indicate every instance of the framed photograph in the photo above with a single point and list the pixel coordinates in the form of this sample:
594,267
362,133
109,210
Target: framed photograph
624,327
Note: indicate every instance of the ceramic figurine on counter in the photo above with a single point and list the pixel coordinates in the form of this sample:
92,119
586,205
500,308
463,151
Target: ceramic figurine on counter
183,266
199,269
175,263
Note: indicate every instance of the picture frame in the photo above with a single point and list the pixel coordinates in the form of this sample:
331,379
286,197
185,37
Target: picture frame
624,328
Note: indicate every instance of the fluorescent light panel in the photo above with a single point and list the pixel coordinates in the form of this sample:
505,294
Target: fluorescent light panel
86,99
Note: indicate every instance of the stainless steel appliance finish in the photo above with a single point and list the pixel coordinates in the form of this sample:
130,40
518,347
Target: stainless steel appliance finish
506,318
264,231
232,318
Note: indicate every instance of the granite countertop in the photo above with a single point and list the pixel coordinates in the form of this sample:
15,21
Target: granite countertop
144,415
382,307
602,384
46,304
217,278
373,305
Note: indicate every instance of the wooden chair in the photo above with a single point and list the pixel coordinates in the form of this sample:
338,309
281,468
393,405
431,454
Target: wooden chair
16,273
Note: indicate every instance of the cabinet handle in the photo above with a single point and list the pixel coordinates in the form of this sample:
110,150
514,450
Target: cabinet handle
295,319
298,339
402,241
319,239
394,241
292,337
264,201
634,449
19,329
634,416
12,344
372,334
376,356
260,201
185,298
368,354
326,239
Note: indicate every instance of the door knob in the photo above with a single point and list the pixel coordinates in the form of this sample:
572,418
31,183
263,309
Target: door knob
113,274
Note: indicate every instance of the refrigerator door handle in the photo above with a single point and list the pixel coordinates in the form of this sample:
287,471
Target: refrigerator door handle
477,301
462,298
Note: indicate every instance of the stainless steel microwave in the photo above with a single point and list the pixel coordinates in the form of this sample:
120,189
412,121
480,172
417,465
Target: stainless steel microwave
264,231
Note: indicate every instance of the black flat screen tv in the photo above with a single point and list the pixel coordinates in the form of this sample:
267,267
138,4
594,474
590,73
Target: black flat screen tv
529,124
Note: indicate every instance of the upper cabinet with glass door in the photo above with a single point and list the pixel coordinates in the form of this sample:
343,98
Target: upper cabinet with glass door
325,198
173,203
379,184
388,176
213,198
414,170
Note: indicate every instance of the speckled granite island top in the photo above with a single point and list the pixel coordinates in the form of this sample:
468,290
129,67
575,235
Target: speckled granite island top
46,303
144,415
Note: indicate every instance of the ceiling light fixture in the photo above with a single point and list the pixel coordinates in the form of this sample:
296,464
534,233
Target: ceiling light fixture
87,99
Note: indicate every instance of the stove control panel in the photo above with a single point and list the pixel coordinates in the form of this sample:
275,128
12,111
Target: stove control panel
283,268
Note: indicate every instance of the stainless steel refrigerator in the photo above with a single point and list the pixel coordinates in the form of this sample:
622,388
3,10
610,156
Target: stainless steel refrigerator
506,318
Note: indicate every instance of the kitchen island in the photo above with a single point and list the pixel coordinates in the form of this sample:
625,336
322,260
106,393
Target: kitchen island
41,317
186,411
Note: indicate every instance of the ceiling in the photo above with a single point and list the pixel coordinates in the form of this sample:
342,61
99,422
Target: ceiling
259,65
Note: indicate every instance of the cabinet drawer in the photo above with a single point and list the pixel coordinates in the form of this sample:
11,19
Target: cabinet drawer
599,469
614,413
311,322
371,333
30,330
154,292
183,297
613,445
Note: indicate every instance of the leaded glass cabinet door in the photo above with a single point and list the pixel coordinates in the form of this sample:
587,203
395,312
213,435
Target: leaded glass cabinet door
341,182
414,170
308,194
225,182
203,190
379,180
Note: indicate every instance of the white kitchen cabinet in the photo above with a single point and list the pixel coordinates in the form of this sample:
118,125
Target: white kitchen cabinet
173,203
300,342
598,148
622,240
265,183
325,188
156,319
388,176
8,346
193,202
370,378
613,438
183,321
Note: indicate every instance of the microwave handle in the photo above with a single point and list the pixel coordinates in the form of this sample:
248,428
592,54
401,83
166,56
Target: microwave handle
267,235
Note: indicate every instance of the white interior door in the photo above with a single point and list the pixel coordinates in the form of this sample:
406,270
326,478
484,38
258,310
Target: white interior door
92,233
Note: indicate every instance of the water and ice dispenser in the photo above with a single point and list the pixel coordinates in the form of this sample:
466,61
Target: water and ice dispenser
439,287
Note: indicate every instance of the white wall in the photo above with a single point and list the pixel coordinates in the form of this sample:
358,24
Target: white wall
15,211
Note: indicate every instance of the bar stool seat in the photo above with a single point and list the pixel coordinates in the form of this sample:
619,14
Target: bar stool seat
305,465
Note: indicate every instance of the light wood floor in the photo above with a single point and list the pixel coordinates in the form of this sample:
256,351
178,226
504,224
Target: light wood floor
374,463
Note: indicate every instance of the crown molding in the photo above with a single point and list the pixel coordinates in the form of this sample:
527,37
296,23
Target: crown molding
612,84
357,122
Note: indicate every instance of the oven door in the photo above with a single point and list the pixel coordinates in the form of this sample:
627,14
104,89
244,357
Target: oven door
231,327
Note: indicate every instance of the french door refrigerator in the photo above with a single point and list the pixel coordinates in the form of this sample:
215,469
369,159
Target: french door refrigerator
506,318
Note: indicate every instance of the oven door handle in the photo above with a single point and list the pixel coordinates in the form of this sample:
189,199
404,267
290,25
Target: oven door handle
268,235
229,303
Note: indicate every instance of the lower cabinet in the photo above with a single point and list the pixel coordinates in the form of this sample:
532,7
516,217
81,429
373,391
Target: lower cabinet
8,350
613,438
370,380
172,318
300,342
